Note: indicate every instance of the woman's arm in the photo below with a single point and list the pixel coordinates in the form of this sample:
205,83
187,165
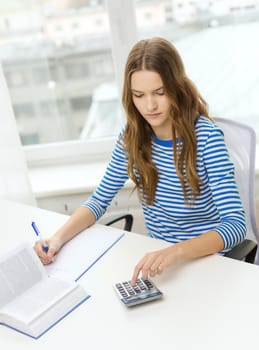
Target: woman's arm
114,178
230,232
156,262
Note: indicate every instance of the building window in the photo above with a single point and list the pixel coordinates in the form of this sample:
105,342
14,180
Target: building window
76,70
23,110
28,139
16,77
81,103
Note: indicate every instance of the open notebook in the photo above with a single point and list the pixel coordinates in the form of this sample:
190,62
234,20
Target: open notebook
83,251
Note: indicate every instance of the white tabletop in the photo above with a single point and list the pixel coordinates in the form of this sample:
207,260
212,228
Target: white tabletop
211,303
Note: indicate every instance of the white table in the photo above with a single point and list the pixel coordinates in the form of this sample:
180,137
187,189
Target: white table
211,303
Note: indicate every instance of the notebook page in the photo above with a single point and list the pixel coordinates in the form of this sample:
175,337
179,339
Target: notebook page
79,254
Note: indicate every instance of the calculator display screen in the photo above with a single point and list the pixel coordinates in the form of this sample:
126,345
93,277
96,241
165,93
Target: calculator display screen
141,296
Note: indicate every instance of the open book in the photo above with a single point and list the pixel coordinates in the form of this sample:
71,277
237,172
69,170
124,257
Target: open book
31,302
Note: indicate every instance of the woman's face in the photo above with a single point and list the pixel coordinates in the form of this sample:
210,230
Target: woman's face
150,99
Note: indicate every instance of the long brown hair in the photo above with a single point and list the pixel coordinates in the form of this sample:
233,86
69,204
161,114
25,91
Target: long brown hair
160,56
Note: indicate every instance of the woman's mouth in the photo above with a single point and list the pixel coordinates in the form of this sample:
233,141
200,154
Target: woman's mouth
153,115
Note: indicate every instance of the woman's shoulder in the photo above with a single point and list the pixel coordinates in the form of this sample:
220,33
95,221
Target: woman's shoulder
205,127
120,137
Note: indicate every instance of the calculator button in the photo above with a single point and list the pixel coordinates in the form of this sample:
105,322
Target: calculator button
137,289
148,284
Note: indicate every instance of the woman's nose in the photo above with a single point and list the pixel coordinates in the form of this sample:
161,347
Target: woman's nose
151,104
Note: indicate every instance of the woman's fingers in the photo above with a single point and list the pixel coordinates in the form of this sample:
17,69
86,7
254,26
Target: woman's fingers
47,257
155,263
149,266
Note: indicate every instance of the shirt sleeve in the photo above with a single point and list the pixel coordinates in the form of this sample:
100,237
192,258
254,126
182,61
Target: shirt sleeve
220,170
115,176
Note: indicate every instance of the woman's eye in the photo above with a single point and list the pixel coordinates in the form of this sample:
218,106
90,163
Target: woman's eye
161,93
138,96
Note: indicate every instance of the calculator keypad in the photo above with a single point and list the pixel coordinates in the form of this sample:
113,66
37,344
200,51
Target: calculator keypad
144,290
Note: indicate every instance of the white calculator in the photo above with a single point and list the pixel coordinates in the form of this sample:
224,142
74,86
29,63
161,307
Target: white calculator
144,290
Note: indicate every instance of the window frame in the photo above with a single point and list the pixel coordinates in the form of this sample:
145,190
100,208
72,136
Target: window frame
69,151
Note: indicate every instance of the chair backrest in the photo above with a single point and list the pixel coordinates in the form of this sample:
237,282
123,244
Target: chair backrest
241,143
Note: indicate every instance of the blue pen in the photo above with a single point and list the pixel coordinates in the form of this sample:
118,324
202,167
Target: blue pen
36,230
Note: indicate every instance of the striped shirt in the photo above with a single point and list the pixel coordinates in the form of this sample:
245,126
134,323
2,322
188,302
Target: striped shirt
218,207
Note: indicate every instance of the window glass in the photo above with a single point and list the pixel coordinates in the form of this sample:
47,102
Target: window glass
54,55
217,40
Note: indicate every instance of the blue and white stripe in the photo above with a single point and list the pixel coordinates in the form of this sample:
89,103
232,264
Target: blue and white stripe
218,207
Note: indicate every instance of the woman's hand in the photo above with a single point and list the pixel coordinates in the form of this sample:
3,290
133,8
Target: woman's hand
54,245
155,263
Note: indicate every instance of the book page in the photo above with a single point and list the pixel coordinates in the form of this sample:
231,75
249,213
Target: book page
20,269
61,309
79,254
38,299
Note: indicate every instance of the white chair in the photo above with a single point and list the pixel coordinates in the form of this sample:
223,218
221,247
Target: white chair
241,142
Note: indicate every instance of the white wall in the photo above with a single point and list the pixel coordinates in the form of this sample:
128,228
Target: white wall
14,181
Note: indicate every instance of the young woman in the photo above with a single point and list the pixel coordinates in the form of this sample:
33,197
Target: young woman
178,160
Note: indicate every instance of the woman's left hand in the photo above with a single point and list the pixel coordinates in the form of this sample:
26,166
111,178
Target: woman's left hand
155,263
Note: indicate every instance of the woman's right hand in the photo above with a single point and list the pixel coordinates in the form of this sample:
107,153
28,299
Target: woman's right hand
79,220
54,245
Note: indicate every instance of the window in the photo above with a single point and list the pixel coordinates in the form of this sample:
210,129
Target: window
76,70
28,138
18,77
54,55
54,77
41,75
80,103
23,110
